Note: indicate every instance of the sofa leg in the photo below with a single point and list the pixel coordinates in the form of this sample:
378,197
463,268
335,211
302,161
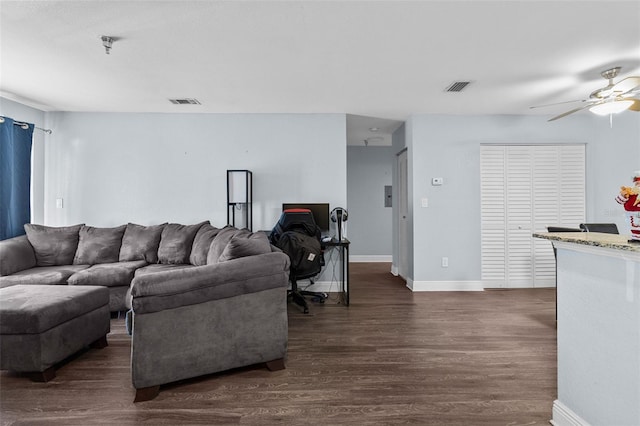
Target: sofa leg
100,343
146,394
276,364
42,376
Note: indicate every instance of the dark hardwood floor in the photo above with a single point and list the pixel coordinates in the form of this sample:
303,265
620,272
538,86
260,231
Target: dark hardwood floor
392,357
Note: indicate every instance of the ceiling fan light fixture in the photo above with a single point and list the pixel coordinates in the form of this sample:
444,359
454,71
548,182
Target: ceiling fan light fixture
611,107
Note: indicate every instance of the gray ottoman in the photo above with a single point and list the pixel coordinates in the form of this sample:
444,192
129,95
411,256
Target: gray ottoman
41,325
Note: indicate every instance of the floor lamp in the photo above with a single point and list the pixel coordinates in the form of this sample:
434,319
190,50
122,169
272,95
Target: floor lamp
240,198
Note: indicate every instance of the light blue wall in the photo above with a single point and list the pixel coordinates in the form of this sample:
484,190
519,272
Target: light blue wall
114,168
449,147
369,169
610,163
27,114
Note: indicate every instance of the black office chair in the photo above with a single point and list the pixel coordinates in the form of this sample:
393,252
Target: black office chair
607,228
555,254
297,234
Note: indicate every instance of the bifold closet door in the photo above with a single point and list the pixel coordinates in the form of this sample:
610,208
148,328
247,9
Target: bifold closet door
524,189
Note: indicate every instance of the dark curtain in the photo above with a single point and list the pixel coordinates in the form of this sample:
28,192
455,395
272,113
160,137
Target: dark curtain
15,177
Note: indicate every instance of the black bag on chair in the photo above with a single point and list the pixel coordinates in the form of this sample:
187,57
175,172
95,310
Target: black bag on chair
304,251
295,220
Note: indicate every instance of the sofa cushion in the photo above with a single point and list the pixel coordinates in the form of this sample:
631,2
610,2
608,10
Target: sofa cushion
141,243
152,269
220,242
16,254
98,245
107,274
176,242
53,245
201,244
242,245
196,285
49,275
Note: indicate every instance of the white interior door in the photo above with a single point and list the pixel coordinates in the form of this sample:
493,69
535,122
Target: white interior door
524,189
403,215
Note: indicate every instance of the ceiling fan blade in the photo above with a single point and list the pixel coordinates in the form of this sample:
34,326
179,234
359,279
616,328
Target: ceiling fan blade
557,103
572,111
635,106
626,85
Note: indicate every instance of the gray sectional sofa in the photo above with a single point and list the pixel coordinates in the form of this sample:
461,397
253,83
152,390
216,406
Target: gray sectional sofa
203,299
113,257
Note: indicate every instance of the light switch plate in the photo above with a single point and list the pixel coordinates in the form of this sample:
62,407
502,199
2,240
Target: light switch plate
436,181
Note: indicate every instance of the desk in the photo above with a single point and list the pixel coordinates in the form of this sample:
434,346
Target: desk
343,252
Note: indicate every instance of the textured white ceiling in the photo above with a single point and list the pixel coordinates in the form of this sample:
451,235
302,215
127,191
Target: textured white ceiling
383,59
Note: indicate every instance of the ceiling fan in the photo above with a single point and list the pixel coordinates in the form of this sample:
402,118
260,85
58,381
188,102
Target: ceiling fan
611,99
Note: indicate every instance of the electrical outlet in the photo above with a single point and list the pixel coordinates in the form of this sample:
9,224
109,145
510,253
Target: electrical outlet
445,262
59,204
424,202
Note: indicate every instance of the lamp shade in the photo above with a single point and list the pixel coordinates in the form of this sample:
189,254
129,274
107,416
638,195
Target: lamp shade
239,189
611,107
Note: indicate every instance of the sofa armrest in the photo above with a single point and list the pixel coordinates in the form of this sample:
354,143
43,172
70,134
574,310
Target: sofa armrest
172,289
16,254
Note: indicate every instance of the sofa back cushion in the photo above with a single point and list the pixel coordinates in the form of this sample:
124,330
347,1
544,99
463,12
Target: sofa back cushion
98,245
243,244
141,243
16,254
53,246
220,242
201,244
176,242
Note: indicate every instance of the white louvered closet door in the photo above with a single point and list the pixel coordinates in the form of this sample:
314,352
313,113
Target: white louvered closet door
524,189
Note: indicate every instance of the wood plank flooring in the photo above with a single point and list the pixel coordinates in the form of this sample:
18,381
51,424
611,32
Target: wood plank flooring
393,357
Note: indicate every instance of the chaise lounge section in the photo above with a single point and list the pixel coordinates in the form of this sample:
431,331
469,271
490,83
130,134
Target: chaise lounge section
197,321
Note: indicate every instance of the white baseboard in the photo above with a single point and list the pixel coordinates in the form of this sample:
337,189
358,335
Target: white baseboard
502,284
323,286
394,270
370,258
444,285
409,283
334,286
564,416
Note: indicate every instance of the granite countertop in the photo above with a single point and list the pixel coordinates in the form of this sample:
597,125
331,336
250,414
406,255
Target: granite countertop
598,239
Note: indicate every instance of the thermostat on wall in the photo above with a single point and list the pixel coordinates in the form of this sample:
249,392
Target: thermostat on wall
437,181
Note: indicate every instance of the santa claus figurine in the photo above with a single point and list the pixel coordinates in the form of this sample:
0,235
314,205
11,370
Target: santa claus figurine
629,197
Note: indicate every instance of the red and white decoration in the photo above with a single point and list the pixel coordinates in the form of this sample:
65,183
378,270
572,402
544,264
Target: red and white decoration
629,197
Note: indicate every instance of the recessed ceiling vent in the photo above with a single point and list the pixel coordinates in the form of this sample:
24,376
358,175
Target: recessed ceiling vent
185,101
457,86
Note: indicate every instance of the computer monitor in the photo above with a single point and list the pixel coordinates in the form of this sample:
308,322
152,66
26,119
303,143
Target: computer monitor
320,212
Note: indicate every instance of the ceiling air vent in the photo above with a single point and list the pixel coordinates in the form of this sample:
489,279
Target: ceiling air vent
457,86
185,101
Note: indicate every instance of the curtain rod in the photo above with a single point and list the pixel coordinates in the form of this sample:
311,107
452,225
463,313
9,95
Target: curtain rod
25,126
